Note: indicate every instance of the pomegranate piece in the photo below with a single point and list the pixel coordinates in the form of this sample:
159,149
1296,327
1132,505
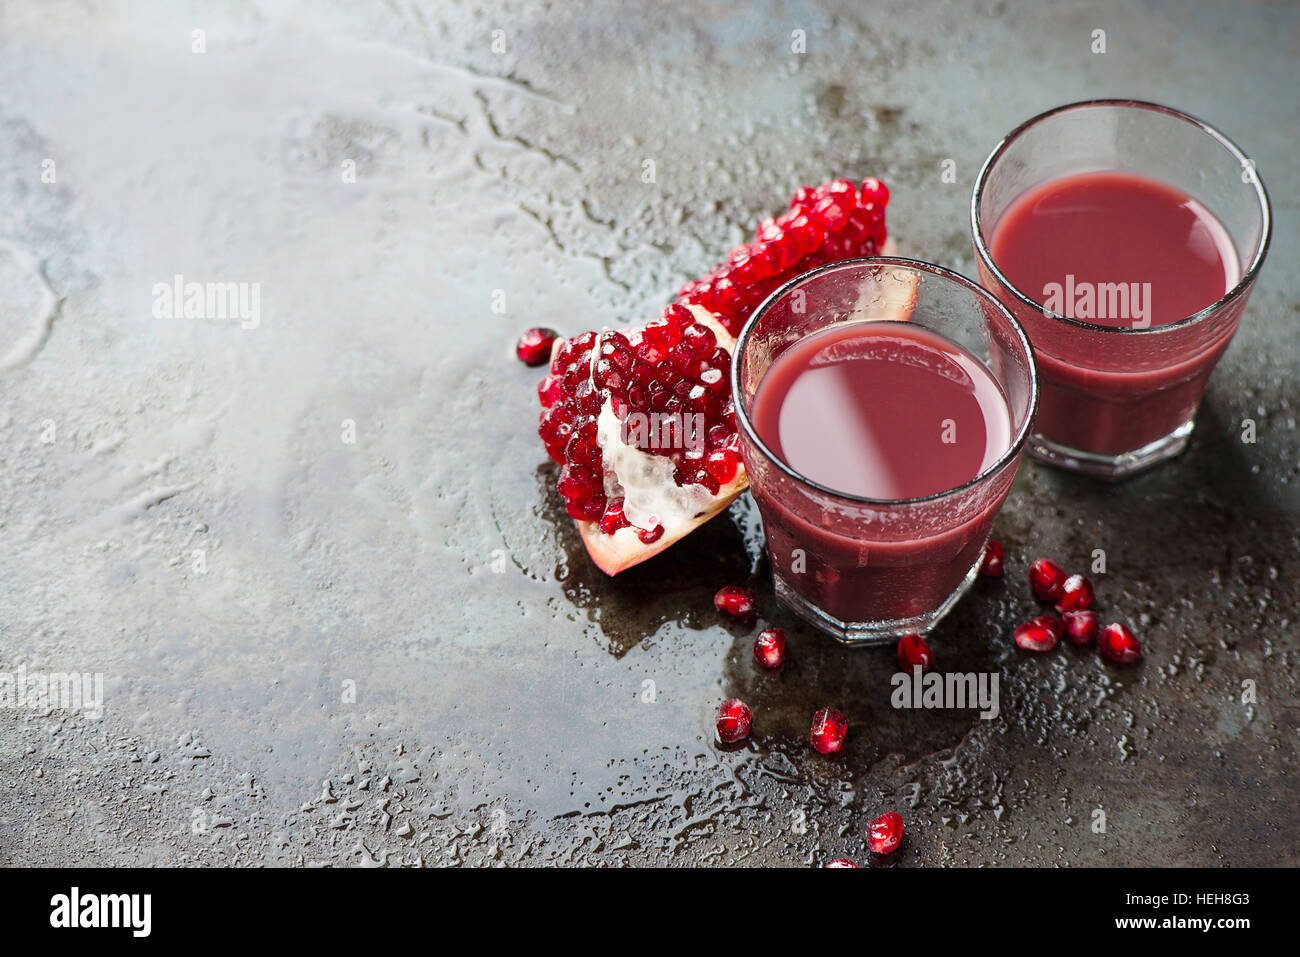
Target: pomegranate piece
1080,626
1076,594
733,721
737,602
913,651
885,833
828,730
769,648
534,346
837,220
644,415
1046,579
1032,636
841,862
1118,644
645,407
991,562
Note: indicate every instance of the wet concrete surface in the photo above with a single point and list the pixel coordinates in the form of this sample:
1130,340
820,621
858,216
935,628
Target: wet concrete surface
393,650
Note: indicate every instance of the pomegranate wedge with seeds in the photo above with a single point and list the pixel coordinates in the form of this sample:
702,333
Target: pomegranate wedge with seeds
644,427
641,419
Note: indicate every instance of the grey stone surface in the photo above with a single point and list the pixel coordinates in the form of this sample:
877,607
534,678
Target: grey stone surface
196,528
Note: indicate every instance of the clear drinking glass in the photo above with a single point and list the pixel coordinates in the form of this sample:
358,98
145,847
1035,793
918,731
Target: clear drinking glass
1118,399
866,570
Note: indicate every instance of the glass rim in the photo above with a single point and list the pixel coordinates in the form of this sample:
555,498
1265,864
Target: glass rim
1008,455
1236,292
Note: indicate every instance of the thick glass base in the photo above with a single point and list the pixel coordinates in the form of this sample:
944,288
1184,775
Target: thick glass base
867,633
1111,467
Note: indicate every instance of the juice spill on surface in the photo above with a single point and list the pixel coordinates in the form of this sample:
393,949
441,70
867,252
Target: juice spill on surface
1116,227
884,410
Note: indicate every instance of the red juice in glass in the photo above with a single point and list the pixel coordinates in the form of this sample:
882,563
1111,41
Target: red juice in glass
1126,238
1116,249
881,410
883,407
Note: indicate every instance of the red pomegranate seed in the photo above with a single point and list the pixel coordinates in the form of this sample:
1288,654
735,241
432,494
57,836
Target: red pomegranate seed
913,651
828,730
1118,644
1051,623
733,721
1080,626
874,191
885,833
1032,636
737,602
549,391
1076,594
991,562
769,648
841,862
534,346
804,197
613,518
649,536
1046,579
722,464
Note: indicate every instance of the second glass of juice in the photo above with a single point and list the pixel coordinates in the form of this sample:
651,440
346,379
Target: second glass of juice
1126,238
883,406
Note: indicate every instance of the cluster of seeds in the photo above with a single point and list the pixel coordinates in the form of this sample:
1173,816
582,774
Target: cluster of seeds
1073,596
827,223
673,373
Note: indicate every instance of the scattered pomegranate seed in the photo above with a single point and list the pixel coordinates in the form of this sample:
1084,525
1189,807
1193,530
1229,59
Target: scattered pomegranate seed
534,346
1118,644
1076,594
737,602
1032,636
1080,626
913,651
769,648
1046,579
733,721
991,563
841,862
1051,623
885,833
828,730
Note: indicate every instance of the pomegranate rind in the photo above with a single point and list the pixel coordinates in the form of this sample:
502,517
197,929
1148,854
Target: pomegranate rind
622,550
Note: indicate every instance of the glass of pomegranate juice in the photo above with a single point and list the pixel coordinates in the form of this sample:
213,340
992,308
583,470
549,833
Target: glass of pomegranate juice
1126,238
883,406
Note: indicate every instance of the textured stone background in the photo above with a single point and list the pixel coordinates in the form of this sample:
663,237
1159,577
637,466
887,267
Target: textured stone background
499,714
